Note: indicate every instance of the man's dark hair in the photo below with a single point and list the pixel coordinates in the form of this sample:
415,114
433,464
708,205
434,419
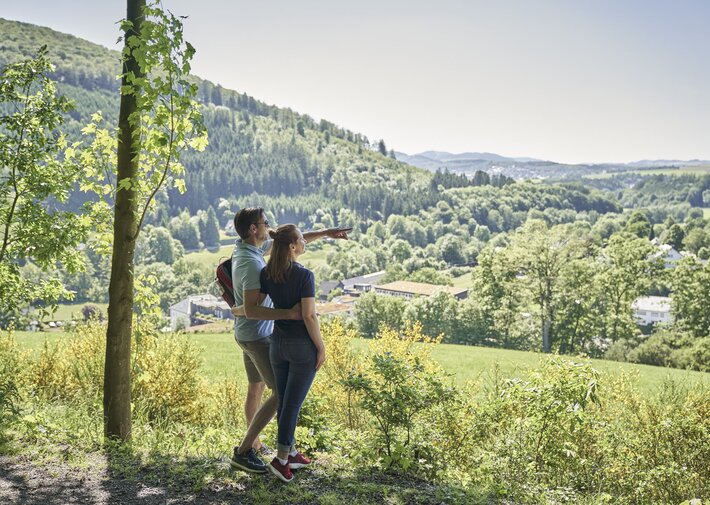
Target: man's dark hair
245,218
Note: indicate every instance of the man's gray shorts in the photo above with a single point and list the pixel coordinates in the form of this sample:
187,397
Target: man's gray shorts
257,362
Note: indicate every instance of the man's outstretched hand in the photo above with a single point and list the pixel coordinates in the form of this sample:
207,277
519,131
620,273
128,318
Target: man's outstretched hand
341,233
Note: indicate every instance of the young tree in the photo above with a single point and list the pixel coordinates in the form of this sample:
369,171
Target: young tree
691,297
211,236
625,273
34,182
382,148
499,296
158,118
541,255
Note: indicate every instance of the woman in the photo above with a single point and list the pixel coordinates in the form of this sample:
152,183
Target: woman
297,350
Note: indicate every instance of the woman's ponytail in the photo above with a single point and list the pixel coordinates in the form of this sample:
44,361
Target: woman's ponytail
280,262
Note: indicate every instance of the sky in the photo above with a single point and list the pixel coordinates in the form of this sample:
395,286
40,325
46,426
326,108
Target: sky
571,81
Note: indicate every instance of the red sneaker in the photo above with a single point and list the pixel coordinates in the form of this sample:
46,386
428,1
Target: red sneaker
298,461
283,472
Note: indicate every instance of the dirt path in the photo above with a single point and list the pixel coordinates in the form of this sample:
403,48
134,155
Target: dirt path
28,484
24,482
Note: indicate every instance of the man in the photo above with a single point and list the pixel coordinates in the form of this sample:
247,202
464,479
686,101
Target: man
253,333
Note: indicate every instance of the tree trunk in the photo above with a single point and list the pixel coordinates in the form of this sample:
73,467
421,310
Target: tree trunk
546,341
117,375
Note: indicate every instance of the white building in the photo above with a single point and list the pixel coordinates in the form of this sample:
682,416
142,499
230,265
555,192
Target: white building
652,310
354,285
198,309
668,254
409,290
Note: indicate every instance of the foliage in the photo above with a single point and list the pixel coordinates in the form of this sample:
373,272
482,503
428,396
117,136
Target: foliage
165,368
691,297
396,388
12,364
34,182
372,311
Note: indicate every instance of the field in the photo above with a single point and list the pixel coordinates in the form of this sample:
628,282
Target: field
698,170
463,281
70,311
221,358
706,213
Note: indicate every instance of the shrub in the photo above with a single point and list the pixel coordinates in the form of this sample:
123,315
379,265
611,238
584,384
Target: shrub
657,449
397,386
539,437
72,367
338,403
12,364
165,371
166,377
656,350
695,356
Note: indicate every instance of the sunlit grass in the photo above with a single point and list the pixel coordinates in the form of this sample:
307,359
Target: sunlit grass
223,358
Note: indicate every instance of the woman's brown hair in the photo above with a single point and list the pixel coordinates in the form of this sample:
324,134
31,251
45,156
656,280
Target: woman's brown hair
280,262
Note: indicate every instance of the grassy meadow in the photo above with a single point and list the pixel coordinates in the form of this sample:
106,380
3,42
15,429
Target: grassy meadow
463,281
221,358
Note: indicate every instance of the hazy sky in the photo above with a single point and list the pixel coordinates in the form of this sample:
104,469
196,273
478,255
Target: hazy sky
570,81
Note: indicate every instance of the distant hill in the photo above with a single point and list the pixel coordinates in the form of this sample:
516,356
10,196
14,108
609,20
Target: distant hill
526,168
274,157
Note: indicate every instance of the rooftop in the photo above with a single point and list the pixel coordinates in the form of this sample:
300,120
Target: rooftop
420,288
652,303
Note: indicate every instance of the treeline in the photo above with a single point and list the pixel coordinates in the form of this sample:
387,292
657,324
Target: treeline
565,289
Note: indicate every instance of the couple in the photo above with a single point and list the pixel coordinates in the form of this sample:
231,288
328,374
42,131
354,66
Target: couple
284,356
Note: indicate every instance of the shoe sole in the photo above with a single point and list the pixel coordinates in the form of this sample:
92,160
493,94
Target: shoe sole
278,474
296,466
237,466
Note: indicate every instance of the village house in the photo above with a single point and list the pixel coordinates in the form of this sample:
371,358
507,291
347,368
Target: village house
198,309
353,286
409,290
652,310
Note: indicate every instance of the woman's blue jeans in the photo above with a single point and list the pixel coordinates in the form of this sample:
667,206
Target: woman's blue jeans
293,359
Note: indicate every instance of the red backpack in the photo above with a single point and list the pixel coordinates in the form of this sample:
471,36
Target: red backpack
224,281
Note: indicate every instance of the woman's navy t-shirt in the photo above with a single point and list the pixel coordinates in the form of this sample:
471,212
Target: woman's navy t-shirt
300,283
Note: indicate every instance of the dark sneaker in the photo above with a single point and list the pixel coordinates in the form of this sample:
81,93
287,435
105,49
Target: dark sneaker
265,450
283,472
298,461
249,462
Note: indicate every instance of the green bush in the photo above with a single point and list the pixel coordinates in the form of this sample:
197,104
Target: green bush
695,356
656,450
655,350
165,372
396,388
12,365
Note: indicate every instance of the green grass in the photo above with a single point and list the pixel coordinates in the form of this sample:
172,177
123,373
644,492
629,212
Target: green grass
706,213
69,311
212,258
314,259
463,281
222,358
